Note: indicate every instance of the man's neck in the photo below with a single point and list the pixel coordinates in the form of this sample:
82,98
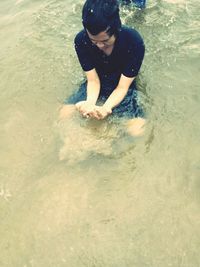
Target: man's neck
108,51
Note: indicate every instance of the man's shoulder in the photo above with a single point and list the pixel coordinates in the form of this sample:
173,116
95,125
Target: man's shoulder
131,34
80,37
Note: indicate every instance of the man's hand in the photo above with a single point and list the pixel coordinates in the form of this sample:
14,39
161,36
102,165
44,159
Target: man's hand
90,110
102,112
85,108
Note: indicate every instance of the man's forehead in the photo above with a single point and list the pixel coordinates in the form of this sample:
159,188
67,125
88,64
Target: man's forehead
102,34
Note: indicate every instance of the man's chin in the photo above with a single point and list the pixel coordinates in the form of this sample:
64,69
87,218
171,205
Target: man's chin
103,49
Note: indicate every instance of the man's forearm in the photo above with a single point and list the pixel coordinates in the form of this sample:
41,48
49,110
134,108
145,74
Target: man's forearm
93,89
115,98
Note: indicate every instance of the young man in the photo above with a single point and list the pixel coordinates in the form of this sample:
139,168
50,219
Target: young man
111,56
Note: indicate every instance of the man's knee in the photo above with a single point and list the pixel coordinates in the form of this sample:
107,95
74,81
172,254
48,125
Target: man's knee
136,126
67,111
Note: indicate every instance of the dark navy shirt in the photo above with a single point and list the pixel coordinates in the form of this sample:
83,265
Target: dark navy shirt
126,57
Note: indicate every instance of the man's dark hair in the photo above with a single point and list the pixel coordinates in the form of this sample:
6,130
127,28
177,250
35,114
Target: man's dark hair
101,15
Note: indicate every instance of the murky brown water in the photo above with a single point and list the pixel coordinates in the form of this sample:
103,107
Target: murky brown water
83,193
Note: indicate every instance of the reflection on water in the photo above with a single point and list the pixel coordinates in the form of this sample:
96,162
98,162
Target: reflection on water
80,140
82,193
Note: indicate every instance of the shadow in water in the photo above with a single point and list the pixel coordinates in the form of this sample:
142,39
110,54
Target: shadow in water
93,141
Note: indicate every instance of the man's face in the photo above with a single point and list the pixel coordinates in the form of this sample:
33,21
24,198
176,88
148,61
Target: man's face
102,40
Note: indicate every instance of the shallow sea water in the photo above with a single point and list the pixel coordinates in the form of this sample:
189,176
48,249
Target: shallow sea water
83,193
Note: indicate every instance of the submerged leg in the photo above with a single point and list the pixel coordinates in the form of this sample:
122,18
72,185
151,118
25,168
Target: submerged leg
136,126
140,3
137,3
67,111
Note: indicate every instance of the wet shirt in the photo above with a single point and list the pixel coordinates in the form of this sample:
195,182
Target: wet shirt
126,57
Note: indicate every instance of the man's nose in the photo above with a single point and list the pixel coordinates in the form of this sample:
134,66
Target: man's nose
100,45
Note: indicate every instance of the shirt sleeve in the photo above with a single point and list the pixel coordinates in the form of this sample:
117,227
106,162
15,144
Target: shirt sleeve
135,55
82,51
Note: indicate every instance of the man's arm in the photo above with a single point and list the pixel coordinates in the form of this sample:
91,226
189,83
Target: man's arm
87,107
116,97
93,86
119,93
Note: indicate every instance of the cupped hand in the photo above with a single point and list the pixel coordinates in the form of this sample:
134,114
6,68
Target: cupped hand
102,112
90,110
85,108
